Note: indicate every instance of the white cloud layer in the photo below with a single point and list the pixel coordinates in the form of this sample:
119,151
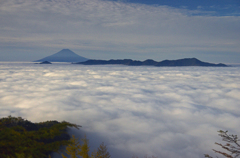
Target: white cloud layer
166,112
106,26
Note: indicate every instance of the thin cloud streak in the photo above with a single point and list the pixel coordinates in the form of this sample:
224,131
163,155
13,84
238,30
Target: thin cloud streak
166,112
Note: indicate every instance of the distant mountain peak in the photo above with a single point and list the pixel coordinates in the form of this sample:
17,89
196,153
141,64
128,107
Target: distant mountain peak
66,50
65,55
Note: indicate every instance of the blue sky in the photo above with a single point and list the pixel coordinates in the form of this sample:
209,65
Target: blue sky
189,3
118,29
219,7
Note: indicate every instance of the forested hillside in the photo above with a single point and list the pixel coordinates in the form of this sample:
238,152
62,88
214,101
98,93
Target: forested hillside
22,138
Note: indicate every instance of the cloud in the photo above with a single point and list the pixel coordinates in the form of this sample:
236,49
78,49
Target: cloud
95,25
166,112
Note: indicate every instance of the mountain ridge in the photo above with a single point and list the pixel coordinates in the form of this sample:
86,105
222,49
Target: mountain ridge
150,62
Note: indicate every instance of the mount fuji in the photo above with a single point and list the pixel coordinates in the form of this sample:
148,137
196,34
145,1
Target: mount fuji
65,55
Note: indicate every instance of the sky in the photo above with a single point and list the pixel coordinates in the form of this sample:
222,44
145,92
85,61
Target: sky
119,29
172,112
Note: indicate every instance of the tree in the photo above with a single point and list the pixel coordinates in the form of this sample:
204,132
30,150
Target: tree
94,154
101,152
232,146
73,148
21,138
84,148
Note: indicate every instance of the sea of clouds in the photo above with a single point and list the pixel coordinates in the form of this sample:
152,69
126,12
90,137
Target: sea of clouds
169,112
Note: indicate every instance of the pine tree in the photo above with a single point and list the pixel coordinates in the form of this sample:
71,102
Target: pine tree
73,148
94,154
102,151
84,148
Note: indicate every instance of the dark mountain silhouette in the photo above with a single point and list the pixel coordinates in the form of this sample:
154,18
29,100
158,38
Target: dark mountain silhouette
187,62
64,55
150,62
45,62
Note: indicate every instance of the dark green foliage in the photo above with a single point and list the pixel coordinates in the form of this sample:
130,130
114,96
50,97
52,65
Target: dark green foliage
75,149
22,138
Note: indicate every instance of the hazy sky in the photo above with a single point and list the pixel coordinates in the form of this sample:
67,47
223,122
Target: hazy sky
136,29
167,112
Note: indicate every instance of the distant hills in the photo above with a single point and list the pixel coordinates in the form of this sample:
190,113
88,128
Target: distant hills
64,55
67,55
150,62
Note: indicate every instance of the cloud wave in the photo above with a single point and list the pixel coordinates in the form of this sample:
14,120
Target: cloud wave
166,112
